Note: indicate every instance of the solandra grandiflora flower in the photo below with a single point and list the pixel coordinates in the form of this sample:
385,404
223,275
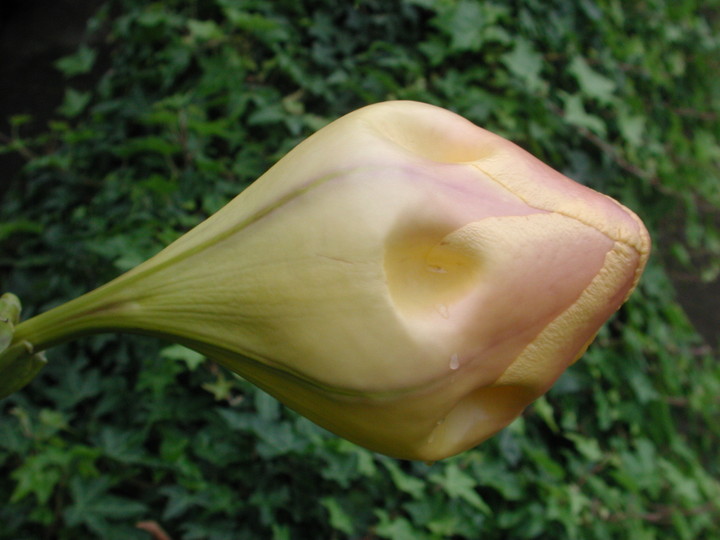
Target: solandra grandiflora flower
403,278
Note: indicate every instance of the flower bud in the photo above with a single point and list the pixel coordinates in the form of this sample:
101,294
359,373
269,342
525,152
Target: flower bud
403,278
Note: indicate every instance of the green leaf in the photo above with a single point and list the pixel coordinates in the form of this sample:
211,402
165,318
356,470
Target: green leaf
82,61
395,528
551,469
460,485
267,406
496,475
543,408
55,420
39,475
589,448
204,30
221,388
151,144
466,21
252,22
340,519
93,506
74,103
632,126
123,446
576,115
593,85
180,353
278,440
404,482
18,120
525,63
280,532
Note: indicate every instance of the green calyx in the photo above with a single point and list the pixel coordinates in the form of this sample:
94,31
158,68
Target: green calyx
19,363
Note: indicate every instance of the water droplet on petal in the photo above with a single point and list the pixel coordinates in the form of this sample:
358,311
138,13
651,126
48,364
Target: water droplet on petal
443,311
454,361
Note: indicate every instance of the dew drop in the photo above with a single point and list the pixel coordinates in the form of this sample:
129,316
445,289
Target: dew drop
443,311
454,361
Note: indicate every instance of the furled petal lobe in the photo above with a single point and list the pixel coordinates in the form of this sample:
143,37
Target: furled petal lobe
403,278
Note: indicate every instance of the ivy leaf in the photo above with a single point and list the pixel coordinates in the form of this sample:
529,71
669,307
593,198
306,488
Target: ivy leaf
460,485
340,519
93,506
13,227
78,63
632,127
404,482
525,63
204,30
543,408
74,103
576,115
396,528
589,448
267,406
39,475
466,22
191,358
592,84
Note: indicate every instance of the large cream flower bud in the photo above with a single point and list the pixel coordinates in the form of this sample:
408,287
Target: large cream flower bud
403,278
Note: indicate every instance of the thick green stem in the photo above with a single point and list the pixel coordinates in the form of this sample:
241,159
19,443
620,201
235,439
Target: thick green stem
21,358
63,323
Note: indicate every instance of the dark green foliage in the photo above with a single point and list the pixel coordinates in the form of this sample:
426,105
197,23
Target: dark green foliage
192,100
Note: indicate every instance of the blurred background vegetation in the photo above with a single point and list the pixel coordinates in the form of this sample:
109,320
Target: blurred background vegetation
166,110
